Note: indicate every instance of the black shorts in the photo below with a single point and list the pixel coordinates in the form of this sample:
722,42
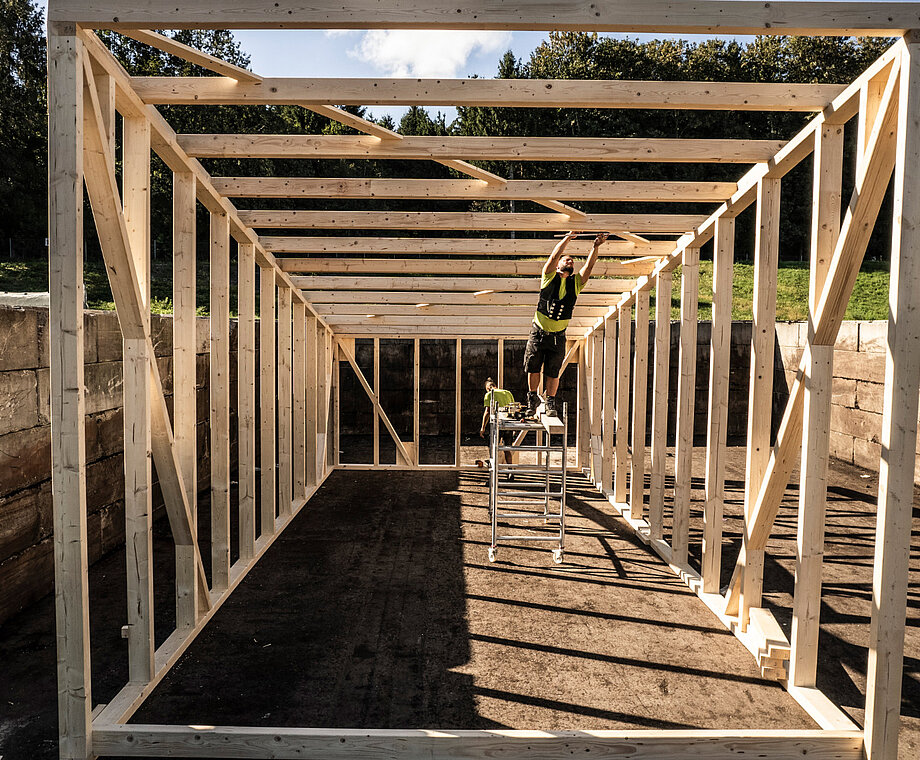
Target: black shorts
546,351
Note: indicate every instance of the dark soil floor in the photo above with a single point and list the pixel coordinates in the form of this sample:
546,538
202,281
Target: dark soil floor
378,608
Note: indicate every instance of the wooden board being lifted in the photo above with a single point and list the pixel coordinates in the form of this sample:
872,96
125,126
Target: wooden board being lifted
484,285
492,267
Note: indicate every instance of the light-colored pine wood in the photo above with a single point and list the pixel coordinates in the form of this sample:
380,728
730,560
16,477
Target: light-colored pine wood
220,401
458,348
899,433
596,368
187,53
482,284
347,301
246,398
660,403
686,403
582,420
630,149
717,418
285,403
137,436
299,423
336,404
68,447
640,408
377,394
185,382
105,88
416,393
372,320
608,412
501,362
621,447
311,396
267,397
825,228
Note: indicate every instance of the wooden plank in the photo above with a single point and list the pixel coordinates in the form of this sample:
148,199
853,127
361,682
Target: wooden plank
540,247
717,427
467,220
322,410
422,299
443,310
660,403
159,41
621,447
640,407
416,393
336,409
511,93
608,413
686,398
285,403
596,399
582,420
348,321
185,382
204,741
899,433
760,403
603,149
311,395
458,347
627,191
246,398
137,436
458,284
627,268
105,88
724,17
299,424
219,286
825,228
267,396
377,394
68,447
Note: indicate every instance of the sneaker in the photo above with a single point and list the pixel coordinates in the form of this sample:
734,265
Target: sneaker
551,407
533,401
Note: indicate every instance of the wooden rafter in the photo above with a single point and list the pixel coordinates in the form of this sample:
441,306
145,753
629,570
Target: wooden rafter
492,267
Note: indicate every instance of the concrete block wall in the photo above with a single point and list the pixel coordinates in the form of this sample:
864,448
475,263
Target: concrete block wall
26,561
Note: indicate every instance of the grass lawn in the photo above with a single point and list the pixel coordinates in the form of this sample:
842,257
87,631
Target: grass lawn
869,300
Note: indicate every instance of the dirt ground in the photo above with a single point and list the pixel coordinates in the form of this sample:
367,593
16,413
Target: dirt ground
378,608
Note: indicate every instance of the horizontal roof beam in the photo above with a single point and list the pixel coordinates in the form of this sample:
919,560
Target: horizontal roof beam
525,297
483,284
724,17
360,246
470,189
493,267
448,310
605,149
526,93
421,322
462,220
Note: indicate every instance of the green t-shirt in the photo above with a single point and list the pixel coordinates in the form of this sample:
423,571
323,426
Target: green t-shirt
502,397
556,325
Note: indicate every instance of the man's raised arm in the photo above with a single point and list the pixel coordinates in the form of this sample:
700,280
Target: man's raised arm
592,257
553,260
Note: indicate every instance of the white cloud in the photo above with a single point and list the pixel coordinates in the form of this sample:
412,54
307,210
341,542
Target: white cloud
421,53
333,33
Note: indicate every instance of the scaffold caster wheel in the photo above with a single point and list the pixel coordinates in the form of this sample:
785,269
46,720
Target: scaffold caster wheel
491,554
557,556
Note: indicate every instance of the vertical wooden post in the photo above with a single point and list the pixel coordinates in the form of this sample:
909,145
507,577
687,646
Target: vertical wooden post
660,404
267,392
582,421
608,424
416,390
220,401
719,371
640,407
597,399
322,401
377,394
686,396
310,390
137,364
299,426
336,409
760,405
621,460
185,383
899,430
246,397
818,382
285,397
68,448
457,418
501,363
329,347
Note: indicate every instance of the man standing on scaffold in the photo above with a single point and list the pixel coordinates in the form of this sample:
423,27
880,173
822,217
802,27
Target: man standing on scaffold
559,287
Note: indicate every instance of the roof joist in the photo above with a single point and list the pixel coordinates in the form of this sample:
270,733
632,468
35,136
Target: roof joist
652,16
483,284
654,150
452,298
463,189
513,93
627,268
463,220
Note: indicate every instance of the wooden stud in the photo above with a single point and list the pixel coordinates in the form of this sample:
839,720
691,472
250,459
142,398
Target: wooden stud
68,447
416,392
312,399
285,403
621,446
246,398
377,394
660,403
336,409
760,405
501,362
719,374
458,347
185,383
608,423
582,421
267,396
485,286
899,433
322,402
640,408
299,424
137,437
220,401
596,402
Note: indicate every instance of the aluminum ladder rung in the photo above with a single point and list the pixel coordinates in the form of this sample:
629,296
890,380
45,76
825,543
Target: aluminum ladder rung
528,538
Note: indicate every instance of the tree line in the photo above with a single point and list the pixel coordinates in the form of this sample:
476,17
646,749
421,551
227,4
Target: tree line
568,55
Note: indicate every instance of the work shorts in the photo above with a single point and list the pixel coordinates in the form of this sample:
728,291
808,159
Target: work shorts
545,350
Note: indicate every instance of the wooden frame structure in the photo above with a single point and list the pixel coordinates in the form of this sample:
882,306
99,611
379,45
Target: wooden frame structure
312,308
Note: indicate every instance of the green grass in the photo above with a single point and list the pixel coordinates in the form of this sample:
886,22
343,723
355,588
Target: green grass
869,300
